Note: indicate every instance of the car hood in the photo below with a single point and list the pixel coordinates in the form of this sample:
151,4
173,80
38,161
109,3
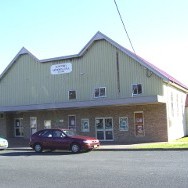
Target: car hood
2,140
83,137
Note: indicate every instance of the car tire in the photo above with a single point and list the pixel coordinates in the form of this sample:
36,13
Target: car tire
75,148
38,148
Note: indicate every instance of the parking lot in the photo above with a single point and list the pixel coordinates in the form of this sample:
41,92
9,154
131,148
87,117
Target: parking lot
25,168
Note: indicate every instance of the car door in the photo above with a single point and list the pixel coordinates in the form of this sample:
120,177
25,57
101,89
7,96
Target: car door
60,140
47,140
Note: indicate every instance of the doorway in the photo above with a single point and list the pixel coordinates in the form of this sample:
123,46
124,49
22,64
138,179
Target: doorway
18,127
33,124
104,129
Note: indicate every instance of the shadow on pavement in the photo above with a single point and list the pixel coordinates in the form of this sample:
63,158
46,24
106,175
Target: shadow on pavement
20,152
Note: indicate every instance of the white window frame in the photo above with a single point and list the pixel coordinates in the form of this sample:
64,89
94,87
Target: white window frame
137,89
47,124
139,125
71,126
100,96
33,124
104,129
19,127
85,125
123,123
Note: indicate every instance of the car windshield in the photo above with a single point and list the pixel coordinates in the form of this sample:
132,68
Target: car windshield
69,132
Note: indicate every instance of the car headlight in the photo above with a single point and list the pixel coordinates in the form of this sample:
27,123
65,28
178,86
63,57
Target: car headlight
3,143
87,141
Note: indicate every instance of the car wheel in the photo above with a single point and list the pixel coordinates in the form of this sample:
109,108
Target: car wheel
75,148
38,147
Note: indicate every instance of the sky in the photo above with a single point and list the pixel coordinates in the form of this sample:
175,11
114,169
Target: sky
158,29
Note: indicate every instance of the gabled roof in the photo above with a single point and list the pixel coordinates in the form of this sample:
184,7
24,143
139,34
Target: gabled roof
21,52
165,76
100,36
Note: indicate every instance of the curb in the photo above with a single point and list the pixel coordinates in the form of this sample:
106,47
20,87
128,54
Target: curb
111,149
142,149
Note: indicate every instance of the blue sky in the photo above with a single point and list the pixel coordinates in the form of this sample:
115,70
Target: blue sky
50,28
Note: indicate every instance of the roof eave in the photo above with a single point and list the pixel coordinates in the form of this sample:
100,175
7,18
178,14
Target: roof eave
143,100
59,58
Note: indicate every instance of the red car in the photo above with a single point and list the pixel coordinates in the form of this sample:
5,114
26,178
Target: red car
62,139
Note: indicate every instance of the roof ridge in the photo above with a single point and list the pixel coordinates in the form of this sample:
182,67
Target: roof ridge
100,36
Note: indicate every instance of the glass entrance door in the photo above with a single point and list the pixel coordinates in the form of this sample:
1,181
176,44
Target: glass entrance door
18,127
104,129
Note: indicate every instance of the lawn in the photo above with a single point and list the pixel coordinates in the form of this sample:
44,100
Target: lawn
177,144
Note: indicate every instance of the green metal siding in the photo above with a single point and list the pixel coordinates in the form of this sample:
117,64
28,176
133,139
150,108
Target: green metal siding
30,82
131,72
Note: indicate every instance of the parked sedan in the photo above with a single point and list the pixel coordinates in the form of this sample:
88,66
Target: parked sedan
63,140
3,143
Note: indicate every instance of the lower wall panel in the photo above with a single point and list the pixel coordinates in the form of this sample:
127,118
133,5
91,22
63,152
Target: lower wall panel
153,128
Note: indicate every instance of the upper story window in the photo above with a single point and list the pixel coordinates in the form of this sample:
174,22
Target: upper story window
136,89
72,94
1,116
100,92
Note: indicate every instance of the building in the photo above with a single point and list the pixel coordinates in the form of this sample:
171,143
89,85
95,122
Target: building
104,91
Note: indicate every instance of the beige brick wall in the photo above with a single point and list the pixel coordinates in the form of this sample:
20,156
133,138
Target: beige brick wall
155,122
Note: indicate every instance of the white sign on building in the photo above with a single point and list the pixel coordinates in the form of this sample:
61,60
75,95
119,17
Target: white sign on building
61,68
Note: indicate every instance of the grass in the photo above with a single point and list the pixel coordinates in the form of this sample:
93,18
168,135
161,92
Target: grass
181,143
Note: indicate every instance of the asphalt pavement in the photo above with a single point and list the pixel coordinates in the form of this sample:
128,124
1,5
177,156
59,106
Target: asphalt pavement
107,169
24,145
107,147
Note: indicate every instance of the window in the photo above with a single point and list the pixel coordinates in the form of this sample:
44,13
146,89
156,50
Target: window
72,94
72,122
139,123
100,92
33,124
18,127
85,125
104,128
47,124
136,89
1,116
123,124
46,133
58,134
